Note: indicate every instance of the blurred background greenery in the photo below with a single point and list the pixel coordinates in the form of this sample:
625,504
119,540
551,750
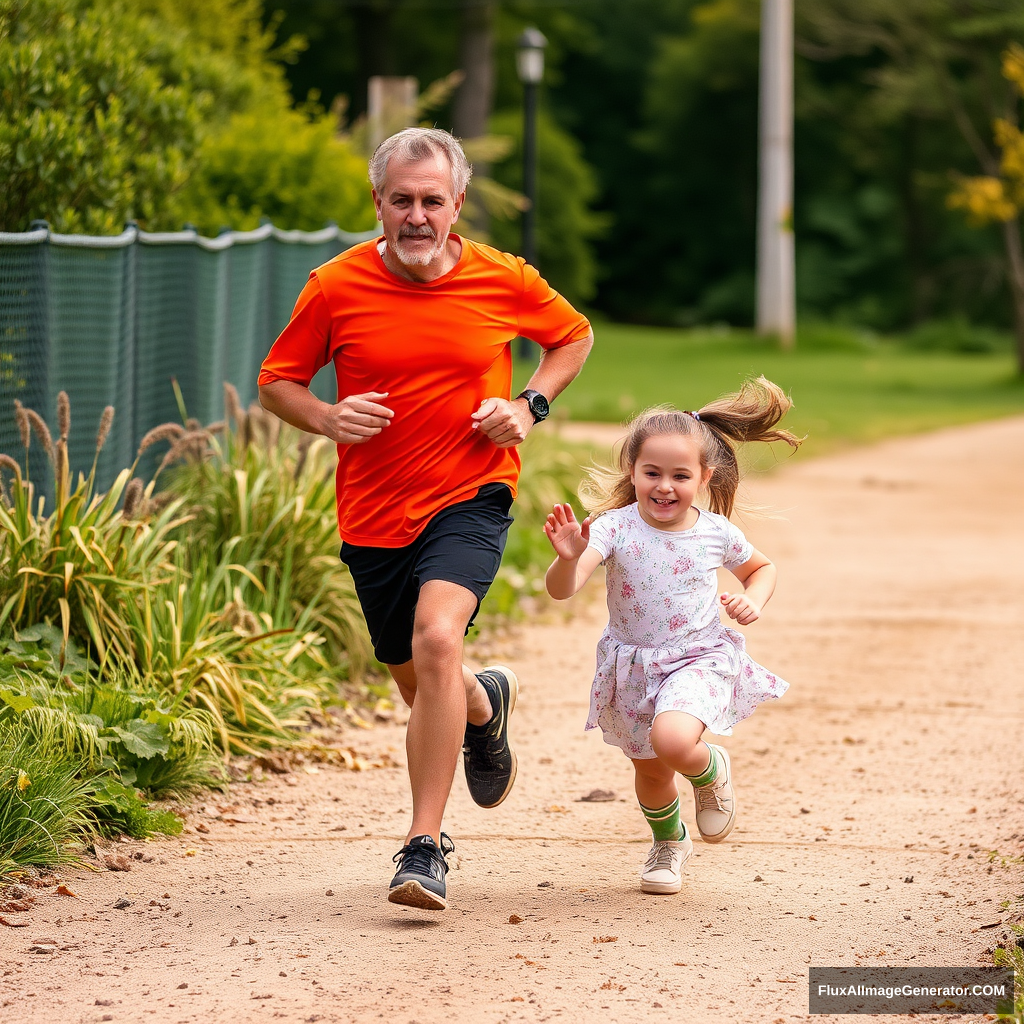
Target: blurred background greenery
219,112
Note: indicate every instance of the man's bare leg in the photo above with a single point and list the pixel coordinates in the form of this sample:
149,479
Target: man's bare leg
437,723
478,705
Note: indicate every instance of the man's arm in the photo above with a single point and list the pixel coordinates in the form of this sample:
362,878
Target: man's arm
353,420
507,423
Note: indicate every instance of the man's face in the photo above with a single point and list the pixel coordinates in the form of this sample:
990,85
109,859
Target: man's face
416,208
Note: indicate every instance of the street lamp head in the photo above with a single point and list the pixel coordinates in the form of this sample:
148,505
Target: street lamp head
530,55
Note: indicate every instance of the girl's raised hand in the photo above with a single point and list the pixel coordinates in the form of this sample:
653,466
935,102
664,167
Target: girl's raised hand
568,537
740,608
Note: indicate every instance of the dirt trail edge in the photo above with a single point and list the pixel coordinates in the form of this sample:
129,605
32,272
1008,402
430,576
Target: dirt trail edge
880,803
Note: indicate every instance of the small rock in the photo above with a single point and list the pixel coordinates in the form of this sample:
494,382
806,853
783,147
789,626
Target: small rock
514,919
758,878
42,948
544,885
282,974
804,810
107,1016
104,1002
909,878
184,984
597,796
330,892
117,862
233,942
251,942
122,904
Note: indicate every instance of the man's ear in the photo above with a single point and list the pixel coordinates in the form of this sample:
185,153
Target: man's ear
376,203
458,206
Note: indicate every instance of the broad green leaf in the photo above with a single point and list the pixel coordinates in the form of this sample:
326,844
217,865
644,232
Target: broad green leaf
143,739
17,701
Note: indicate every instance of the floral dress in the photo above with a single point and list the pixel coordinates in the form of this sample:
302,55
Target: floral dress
665,648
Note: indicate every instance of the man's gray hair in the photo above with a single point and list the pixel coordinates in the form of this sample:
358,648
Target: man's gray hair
419,144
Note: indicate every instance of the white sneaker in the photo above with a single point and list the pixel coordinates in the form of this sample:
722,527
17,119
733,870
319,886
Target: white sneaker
716,803
663,872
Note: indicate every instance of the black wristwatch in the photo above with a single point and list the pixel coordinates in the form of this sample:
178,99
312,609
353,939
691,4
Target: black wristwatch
538,404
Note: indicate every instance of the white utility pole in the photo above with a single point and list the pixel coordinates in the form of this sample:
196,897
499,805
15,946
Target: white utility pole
776,274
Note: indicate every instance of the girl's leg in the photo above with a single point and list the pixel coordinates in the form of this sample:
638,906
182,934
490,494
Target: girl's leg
655,783
676,739
659,800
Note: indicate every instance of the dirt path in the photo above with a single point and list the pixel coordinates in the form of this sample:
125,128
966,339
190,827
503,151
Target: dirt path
871,798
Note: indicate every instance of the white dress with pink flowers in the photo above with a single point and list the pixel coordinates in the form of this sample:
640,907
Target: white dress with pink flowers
665,648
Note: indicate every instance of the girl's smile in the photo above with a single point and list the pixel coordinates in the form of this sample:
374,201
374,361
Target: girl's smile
667,477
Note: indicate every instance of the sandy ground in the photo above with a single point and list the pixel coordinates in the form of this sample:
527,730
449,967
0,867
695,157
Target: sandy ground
880,804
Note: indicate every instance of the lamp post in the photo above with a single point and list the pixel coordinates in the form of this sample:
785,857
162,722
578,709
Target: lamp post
530,66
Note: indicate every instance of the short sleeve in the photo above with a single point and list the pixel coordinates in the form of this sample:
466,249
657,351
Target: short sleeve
603,532
547,317
737,548
302,347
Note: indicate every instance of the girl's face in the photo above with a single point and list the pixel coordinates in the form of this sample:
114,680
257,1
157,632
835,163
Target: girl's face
666,477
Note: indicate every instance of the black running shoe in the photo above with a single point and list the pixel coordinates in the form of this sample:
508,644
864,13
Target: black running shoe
490,762
419,880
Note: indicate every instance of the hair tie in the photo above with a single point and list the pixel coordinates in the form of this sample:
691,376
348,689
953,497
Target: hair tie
695,415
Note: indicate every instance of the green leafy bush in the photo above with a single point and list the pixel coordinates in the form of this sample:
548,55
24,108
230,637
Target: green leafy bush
290,166
161,112
566,186
552,469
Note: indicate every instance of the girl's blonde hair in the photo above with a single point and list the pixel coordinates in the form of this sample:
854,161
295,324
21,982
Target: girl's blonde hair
749,414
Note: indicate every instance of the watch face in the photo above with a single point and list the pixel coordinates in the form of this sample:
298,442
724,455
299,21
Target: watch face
539,406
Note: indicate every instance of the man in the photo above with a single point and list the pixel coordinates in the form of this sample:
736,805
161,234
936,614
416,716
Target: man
419,326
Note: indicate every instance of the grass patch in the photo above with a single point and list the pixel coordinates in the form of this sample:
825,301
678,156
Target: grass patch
848,387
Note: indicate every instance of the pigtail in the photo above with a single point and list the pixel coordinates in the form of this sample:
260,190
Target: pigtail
749,414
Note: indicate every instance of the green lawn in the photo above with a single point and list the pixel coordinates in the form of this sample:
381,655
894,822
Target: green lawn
846,388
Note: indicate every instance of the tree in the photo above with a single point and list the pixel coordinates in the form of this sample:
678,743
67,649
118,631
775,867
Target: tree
998,197
565,188
91,132
161,111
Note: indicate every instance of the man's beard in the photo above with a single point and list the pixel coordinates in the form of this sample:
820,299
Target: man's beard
418,257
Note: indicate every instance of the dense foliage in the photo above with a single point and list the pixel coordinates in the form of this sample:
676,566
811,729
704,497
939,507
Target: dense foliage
892,100
162,113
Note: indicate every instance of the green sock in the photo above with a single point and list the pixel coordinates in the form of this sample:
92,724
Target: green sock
707,776
664,822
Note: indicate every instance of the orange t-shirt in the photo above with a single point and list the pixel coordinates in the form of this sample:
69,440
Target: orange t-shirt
438,349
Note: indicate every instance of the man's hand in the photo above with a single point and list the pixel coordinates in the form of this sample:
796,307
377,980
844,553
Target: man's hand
505,423
568,537
354,420
740,608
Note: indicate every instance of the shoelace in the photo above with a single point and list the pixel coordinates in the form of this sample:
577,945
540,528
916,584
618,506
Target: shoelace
424,858
661,856
708,798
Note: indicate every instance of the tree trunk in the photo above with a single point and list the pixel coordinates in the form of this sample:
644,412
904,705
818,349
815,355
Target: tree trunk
475,97
375,46
1015,279
473,101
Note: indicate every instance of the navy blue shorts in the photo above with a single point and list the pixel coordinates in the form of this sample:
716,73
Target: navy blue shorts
462,544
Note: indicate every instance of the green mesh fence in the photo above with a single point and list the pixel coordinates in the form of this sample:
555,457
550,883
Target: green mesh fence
112,321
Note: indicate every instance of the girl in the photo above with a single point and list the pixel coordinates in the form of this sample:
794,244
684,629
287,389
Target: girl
667,669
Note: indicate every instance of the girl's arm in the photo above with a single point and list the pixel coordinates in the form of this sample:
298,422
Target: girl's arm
576,561
757,574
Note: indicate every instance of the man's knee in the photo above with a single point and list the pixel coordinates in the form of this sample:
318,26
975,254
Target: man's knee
437,638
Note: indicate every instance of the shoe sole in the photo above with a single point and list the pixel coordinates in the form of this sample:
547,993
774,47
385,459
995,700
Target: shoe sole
513,693
724,834
412,894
